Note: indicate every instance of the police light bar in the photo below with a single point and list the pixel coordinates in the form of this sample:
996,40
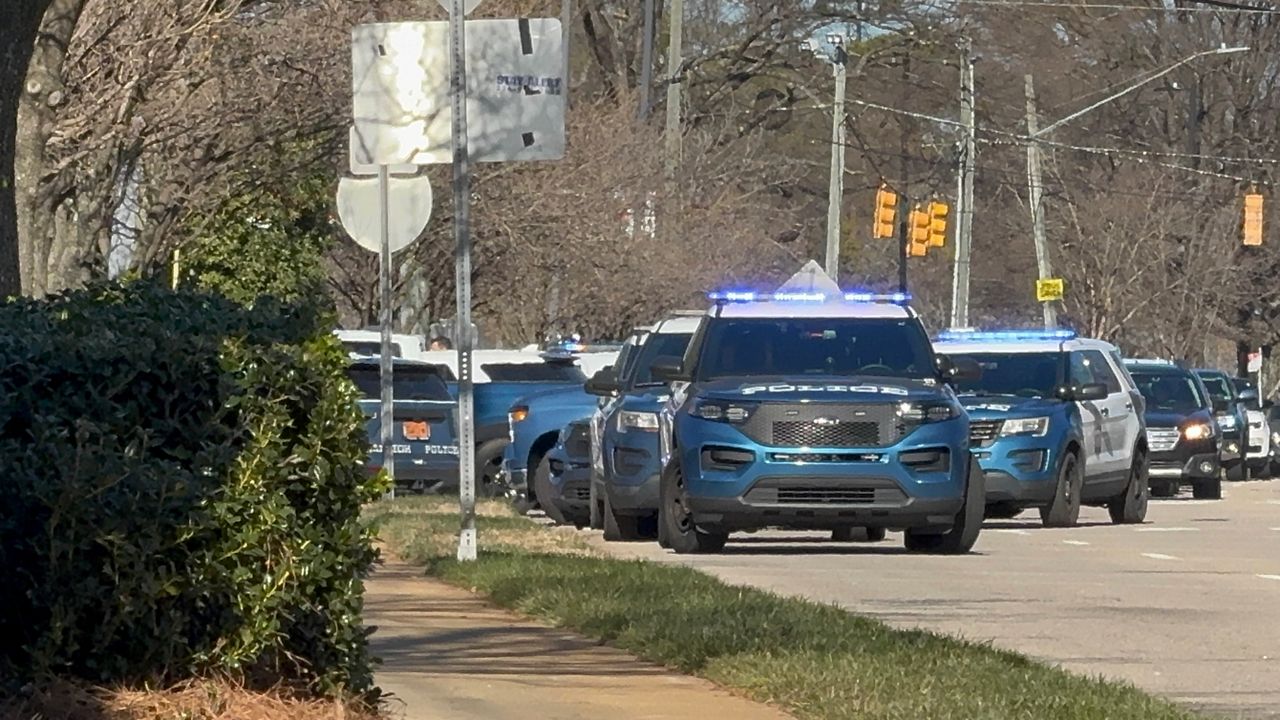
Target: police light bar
968,335
1149,361
744,296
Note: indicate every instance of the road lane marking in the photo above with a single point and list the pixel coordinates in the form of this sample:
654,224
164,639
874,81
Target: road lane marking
1269,577
1010,531
1074,542
1273,502
1158,556
1167,529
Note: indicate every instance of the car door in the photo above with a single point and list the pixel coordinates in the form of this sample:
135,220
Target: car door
1091,427
1119,427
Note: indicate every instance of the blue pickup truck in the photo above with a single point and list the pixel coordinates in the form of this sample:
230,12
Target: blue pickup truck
503,378
425,436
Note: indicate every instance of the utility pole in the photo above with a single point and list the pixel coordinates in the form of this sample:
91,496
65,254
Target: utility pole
1035,196
675,55
646,62
905,208
964,191
566,27
835,191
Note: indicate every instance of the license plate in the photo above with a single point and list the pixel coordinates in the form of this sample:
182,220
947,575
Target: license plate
416,430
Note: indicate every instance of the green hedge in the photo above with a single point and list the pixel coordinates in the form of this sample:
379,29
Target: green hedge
182,490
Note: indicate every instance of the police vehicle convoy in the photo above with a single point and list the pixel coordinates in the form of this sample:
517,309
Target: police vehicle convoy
1231,412
626,497
1055,422
1182,434
810,410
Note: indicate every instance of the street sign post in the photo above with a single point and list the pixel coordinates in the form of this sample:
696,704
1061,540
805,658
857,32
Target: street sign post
415,103
1050,289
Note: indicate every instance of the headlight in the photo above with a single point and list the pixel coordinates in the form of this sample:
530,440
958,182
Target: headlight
722,410
644,421
1227,422
517,414
1197,431
1275,438
1030,427
927,412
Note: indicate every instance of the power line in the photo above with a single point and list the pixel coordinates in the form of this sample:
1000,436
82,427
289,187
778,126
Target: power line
1059,4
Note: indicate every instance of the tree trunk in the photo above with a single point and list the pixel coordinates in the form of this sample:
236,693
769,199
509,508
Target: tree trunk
47,218
17,38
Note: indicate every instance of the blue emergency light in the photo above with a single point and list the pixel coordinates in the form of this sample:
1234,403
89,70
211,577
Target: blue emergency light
967,335
745,296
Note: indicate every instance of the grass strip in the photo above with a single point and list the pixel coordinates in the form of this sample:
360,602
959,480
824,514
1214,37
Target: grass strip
816,661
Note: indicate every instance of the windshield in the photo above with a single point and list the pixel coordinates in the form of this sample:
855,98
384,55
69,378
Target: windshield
1030,375
549,372
408,383
1219,388
1169,392
815,346
664,345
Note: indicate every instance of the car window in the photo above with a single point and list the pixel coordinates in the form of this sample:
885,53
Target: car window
1020,374
660,345
1118,362
1169,391
408,383
747,347
1102,372
1218,387
626,361
549,372
1090,367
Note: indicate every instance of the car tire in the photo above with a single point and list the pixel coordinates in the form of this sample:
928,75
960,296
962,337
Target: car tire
1238,472
595,516
964,533
1207,489
542,491
489,470
1130,507
1003,511
1063,510
844,534
619,528
1164,488
854,534
876,534
676,522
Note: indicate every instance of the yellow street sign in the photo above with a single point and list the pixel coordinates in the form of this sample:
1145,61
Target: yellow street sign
1049,289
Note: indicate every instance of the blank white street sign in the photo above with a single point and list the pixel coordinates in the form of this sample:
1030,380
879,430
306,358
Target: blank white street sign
358,169
409,209
400,87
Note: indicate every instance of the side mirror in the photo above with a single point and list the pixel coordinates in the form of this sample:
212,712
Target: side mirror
603,384
668,369
1249,396
1092,391
959,368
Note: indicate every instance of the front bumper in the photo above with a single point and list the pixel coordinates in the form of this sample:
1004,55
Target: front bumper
571,488
1019,470
633,471
1199,466
917,483
418,474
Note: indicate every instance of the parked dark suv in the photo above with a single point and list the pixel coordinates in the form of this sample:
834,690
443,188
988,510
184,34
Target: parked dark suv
1182,435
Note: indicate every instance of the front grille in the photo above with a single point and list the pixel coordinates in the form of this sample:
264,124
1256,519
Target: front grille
982,432
825,491
581,492
1162,439
822,425
578,444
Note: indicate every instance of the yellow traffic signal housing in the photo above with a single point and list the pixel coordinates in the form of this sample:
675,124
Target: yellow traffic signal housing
886,215
1253,219
938,223
918,225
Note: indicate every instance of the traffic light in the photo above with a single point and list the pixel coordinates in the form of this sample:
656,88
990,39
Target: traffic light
938,224
918,225
886,215
1252,219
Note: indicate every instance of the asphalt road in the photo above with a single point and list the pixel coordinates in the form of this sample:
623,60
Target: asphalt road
1187,605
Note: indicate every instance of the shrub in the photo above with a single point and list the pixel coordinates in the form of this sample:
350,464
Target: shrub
183,485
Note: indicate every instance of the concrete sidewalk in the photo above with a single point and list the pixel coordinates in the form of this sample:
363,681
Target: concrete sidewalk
447,654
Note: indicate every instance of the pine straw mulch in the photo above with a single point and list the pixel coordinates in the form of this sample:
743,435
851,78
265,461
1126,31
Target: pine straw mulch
192,700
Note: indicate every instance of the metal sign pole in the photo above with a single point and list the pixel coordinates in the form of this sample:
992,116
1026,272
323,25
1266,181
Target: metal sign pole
385,354
462,238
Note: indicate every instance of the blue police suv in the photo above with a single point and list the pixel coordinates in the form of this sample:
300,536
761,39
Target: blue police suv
1056,423
817,411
